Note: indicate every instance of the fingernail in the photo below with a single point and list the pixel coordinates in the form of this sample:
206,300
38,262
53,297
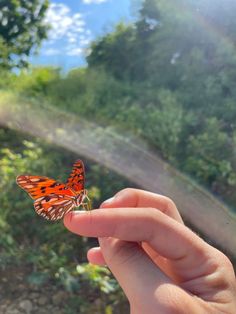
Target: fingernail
74,213
78,211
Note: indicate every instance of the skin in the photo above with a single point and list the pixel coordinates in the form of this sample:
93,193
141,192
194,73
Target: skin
162,266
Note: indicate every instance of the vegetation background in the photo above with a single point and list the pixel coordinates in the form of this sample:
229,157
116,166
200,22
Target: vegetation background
168,78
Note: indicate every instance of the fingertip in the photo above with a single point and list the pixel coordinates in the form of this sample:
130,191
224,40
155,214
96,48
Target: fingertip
69,218
95,256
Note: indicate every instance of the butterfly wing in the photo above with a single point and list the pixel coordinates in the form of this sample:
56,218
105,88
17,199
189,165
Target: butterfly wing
53,207
52,199
77,177
37,186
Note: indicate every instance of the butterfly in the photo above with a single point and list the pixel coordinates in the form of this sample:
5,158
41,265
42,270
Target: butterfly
53,199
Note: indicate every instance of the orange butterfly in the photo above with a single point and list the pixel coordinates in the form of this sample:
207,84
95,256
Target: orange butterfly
52,199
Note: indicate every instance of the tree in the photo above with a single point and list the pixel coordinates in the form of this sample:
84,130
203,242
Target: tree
22,28
113,50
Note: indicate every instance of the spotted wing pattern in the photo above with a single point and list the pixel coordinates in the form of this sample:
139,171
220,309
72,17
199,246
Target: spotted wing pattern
53,207
76,178
52,199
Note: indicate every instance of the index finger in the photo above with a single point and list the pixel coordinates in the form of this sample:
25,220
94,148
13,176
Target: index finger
188,253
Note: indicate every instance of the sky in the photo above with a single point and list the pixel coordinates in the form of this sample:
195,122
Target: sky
74,24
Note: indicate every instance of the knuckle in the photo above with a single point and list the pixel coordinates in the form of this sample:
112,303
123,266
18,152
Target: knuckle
222,259
169,202
127,191
224,270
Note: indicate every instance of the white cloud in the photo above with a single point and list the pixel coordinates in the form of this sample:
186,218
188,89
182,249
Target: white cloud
68,31
73,51
51,52
93,1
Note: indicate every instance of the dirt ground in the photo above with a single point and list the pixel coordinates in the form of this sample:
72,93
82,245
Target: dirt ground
17,296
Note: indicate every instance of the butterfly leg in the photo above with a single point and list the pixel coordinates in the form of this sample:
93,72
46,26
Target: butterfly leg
87,205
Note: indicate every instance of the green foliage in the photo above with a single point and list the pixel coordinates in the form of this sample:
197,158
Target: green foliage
169,90
88,93
164,122
182,65
210,157
35,81
121,44
167,79
99,277
48,248
21,29
7,79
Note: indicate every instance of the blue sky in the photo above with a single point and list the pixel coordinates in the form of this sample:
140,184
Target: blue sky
74,24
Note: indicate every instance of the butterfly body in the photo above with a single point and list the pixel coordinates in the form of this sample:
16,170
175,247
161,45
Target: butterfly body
53,199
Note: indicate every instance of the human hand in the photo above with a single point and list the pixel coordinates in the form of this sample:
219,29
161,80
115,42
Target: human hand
162,266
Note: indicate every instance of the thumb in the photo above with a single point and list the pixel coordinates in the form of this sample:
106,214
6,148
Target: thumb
132,267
